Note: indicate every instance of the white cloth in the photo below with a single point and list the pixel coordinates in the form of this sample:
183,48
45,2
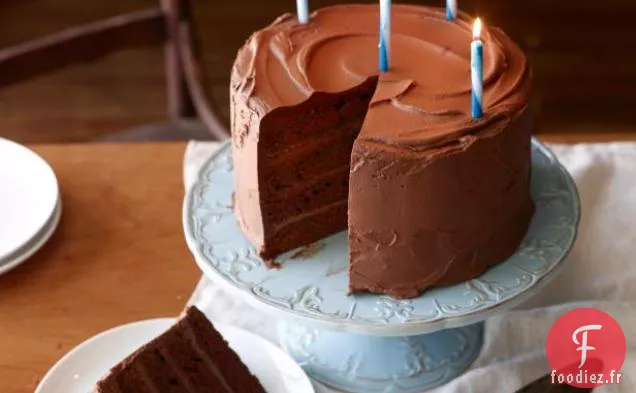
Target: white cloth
598,273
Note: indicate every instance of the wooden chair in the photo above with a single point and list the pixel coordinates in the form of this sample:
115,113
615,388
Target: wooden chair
169,24
195,78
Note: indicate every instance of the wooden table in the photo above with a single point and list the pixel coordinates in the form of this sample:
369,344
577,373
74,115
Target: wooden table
118,256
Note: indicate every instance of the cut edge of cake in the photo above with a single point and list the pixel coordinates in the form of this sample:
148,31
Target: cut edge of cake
190,357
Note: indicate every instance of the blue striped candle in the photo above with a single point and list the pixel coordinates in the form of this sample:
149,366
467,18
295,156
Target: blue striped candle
302,8
477,72
451,9
385,35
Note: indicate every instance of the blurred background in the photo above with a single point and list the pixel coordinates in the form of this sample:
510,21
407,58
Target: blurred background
583,53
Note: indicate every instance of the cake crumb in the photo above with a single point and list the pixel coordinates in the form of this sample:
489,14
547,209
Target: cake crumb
309,251
333,270
272,263
230,206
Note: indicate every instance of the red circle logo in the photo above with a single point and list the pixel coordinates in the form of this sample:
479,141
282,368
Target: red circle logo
586,348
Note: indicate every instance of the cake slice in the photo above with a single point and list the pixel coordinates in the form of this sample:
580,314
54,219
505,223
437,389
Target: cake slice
191,357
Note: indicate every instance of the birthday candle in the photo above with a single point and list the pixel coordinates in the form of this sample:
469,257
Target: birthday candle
477,71
385,34
451,9
302,9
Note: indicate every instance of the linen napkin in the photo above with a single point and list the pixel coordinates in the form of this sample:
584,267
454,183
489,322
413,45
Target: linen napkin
598,273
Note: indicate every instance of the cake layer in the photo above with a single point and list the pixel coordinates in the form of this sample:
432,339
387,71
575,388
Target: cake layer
311,162
327,190
321,117
296,165
307,228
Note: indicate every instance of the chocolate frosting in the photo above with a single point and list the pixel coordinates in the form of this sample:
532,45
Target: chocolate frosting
422,102
435,196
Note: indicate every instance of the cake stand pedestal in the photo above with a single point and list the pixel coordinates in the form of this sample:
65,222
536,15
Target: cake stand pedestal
364,363
372,343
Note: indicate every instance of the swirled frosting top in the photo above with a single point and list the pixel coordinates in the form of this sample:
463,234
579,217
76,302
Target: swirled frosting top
424,99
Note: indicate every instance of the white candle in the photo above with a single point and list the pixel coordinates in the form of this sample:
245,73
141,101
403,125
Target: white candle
451,9
385,34
302,8
477,72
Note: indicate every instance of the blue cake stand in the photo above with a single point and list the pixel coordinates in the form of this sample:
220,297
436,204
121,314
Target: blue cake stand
371,343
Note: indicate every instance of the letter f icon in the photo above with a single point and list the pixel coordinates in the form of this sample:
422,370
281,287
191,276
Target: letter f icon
583,344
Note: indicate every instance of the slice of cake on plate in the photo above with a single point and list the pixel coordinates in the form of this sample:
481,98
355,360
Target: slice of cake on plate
191,357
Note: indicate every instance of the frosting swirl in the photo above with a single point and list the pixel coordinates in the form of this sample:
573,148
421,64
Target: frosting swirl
422,102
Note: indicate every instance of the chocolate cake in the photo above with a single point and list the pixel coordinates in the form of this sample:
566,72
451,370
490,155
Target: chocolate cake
191,357
322,142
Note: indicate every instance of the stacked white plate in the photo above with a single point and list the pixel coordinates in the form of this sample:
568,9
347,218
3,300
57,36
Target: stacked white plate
30,205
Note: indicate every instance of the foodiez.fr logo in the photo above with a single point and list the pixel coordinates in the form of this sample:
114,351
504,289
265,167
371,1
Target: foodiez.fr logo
586,348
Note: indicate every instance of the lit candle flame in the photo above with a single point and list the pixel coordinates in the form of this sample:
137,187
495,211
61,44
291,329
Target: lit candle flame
477,29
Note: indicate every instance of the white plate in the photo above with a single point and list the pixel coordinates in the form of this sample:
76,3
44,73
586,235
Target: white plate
28,196
35,244
80,369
